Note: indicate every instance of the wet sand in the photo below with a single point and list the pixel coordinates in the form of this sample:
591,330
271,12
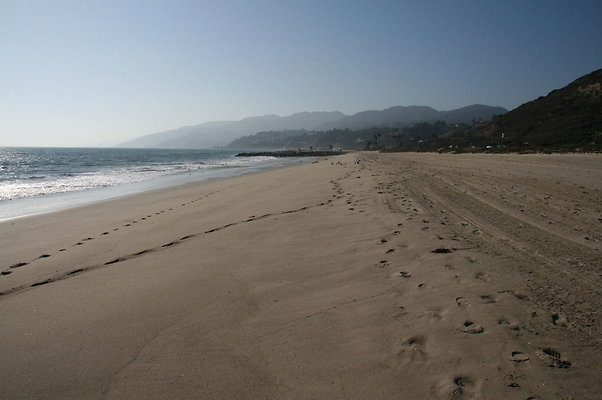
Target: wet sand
380,276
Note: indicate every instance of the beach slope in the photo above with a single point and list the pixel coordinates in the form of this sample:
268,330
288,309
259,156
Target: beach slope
380,276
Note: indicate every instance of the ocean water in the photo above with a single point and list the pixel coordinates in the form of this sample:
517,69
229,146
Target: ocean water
35,180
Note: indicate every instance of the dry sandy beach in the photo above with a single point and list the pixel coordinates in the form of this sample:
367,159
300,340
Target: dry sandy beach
364,276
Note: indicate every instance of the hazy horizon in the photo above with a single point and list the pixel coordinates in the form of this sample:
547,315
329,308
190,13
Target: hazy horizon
102,72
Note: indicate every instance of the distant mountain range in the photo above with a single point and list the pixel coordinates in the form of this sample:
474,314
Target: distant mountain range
220,133
400,116
567,119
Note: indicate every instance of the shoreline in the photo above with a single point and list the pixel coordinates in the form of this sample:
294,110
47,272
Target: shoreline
38,205
348,277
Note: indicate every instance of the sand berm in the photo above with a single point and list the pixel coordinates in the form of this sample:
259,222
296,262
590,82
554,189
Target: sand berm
362,276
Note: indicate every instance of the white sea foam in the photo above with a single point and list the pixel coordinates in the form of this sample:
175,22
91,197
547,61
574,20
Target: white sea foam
40,185
41,180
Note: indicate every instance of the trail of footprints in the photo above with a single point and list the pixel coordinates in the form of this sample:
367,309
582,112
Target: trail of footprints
413,349
81,242
9,270
353,203
146,251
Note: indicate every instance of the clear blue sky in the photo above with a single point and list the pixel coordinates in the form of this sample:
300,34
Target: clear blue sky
100,72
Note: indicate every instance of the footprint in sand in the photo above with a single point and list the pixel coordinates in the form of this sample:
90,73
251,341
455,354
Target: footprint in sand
488,299
441,250
519,296
412,349
462,302
511,381
75,271
405,274
457,388
481,276
464,388
40,283
401,311
560,320
509,324
434,315
390,251
519,357
471,328
552,358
